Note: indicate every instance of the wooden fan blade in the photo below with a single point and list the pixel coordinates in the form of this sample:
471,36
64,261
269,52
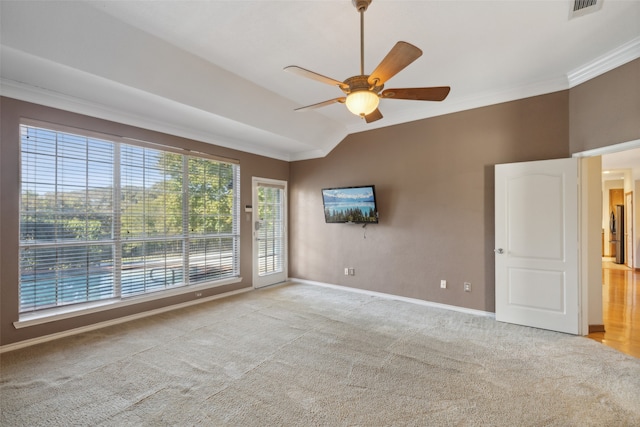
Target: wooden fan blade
372,117
399,57
418,93
322,104
315,76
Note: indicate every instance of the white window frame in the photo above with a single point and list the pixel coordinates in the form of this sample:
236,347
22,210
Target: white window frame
117,299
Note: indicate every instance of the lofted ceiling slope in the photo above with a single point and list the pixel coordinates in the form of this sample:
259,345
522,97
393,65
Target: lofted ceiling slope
213,70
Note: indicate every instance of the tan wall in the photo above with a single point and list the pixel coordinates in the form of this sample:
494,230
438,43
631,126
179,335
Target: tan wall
606,110
434,181
12,111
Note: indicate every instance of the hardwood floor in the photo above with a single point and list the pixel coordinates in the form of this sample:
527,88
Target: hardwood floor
621,309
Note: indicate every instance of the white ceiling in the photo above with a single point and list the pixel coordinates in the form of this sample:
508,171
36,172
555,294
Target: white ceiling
212,70
614,165
627,159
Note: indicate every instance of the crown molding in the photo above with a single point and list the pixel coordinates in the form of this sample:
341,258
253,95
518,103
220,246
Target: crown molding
478,100
616,58
38,95
609,149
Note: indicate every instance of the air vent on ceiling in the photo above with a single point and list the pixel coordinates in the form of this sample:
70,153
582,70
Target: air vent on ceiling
582,7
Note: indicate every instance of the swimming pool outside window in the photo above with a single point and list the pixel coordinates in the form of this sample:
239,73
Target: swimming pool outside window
102,219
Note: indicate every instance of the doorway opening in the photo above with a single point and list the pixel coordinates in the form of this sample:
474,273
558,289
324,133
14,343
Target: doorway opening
620,261
621,315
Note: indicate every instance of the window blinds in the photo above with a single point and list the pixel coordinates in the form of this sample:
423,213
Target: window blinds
101,219
270,235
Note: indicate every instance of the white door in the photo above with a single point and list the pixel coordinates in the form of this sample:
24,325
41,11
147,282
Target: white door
269,231
536,238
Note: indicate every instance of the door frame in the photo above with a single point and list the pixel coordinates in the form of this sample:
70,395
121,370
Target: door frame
590,269
255,181
590,242
628,218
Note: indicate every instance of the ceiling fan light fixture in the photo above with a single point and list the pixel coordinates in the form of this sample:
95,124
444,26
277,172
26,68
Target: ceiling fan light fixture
362,102
363,92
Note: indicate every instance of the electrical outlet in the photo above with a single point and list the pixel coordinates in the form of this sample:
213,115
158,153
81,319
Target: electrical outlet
352,272
443,284
198,294
467,286
346,271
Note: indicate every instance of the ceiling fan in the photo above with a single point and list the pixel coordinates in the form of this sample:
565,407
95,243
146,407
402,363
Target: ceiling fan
363,92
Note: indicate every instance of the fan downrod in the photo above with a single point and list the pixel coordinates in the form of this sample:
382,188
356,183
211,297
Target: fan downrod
361,5
364,91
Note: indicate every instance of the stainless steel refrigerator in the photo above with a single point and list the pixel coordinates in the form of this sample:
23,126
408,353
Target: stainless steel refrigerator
618,233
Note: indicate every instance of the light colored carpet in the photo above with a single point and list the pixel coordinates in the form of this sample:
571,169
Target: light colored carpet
303,355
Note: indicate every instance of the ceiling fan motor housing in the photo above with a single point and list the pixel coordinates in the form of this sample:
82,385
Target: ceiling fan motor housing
361,5
358,83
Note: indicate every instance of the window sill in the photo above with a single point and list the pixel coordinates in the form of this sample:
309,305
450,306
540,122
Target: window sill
60,313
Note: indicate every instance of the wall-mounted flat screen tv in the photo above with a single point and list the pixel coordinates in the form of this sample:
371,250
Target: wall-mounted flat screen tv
355,205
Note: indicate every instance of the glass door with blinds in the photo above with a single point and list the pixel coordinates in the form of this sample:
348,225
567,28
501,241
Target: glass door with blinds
269,232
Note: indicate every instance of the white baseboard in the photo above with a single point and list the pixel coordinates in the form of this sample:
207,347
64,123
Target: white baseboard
398,298
88,328
93,327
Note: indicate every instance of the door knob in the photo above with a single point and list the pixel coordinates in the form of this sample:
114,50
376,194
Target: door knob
499,251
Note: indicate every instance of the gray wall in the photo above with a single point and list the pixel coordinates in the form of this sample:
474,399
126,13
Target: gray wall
12,111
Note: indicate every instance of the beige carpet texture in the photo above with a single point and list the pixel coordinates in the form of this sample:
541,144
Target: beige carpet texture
306,355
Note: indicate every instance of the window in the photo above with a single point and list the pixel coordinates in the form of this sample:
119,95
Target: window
101,219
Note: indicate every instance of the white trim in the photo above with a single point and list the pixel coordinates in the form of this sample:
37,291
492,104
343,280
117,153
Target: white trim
89,328
478,100
119,139
47,316
583,249
258,281
629,145
37,95
398,298
617,57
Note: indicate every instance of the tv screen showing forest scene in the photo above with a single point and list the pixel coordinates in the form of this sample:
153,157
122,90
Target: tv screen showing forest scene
350,205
